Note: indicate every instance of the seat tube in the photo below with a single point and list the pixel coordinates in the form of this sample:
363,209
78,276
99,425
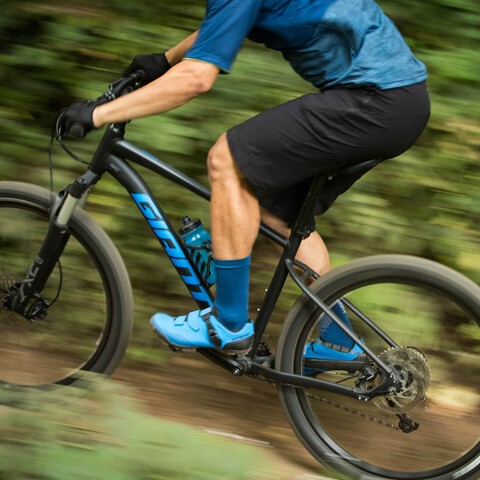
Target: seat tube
298,233
300,228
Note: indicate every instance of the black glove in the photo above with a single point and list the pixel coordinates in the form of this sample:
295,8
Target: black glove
77,119
154,65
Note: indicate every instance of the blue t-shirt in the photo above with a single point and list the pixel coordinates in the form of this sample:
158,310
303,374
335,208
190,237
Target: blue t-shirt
330,43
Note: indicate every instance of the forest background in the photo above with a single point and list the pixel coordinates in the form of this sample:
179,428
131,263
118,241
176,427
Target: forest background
426,202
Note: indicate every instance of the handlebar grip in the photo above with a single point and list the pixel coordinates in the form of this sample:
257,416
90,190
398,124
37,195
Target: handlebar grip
138,75
77,131
116,89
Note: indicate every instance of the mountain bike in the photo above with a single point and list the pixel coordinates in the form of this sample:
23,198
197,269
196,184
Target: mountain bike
407,408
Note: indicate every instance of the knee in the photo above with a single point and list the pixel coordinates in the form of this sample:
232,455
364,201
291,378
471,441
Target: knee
220,163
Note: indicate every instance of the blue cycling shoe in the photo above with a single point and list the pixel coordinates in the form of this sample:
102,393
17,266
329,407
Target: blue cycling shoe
201,329
318,351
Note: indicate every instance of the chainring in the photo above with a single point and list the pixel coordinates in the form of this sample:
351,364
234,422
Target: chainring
414,371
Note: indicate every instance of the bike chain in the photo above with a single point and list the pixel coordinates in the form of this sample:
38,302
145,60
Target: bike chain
326,401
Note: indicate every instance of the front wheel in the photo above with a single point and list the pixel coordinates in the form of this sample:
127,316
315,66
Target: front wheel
88,325
432,315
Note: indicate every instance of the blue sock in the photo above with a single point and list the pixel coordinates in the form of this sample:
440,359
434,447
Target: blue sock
232,292
330,332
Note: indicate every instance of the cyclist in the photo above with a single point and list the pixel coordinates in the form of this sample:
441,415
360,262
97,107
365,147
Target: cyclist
372,102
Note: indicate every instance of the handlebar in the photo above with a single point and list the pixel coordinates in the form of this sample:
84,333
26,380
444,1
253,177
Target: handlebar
115,90
77,131
122,85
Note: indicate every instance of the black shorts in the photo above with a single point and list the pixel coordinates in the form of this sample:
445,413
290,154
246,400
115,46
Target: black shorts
280,150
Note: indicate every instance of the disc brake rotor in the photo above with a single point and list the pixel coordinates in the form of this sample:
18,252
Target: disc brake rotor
415,380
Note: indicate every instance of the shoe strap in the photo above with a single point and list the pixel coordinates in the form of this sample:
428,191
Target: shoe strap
336,347
212,333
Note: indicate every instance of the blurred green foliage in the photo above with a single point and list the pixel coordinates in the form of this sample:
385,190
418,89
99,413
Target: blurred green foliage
427,202
61,435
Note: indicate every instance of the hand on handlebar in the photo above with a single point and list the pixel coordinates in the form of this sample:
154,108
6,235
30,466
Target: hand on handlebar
77,119
154,65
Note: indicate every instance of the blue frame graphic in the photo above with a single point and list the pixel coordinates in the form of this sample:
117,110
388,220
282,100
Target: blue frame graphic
173,248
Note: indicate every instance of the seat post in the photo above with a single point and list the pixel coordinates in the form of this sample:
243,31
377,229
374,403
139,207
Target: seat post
318,183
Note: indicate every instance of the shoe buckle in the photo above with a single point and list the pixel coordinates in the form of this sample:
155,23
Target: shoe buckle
212,333
336,347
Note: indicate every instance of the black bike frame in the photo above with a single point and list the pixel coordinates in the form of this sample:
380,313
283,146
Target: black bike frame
112,156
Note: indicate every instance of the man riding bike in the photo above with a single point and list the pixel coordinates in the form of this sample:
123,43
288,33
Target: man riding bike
372,103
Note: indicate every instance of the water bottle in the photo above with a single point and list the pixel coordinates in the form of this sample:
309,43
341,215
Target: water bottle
199,246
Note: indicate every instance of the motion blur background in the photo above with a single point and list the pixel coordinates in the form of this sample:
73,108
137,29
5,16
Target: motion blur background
426,202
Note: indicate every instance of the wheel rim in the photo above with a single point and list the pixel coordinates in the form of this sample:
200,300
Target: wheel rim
449,433
73,335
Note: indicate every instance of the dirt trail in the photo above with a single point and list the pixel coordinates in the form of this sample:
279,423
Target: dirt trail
190,390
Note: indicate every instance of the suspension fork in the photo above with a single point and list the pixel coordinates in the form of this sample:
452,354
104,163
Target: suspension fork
25,297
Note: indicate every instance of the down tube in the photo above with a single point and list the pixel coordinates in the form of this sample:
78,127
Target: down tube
162,229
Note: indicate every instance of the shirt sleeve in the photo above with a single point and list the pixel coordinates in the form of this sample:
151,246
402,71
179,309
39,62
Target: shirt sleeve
223,31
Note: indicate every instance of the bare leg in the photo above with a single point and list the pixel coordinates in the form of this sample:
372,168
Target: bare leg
235,218
313,251
235,212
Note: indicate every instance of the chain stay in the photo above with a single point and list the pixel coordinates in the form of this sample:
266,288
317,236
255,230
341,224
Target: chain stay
406,424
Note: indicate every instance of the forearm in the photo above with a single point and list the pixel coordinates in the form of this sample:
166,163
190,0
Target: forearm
176,54
178,86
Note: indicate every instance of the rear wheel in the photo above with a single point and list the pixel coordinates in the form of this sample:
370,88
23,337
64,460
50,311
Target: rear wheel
432,314
88,326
